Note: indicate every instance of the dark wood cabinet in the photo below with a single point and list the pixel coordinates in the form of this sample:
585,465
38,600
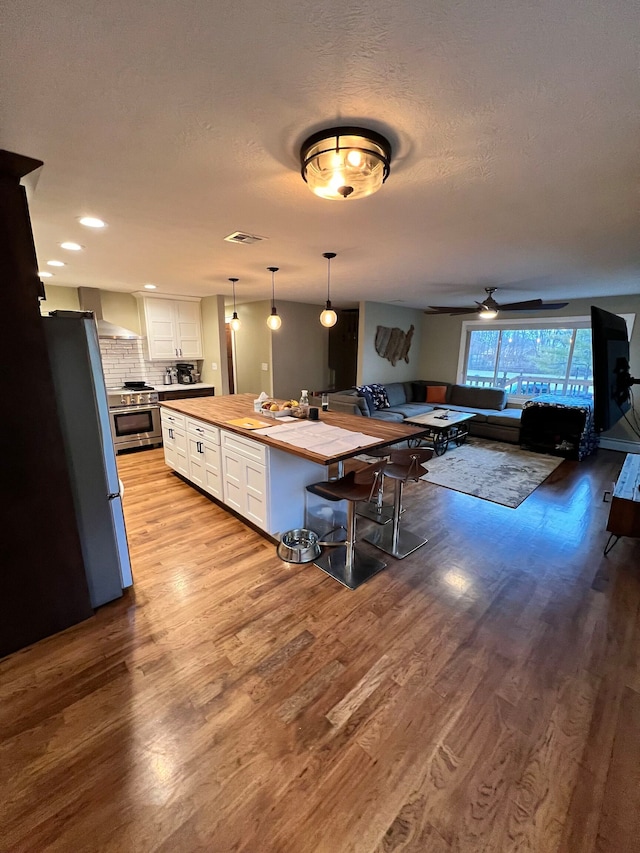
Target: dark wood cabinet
43,588
185,393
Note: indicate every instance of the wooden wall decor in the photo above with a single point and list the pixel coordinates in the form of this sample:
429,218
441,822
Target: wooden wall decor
393,344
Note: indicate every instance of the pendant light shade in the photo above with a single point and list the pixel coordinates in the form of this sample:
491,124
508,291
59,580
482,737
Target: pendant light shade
235,321
328,317
273,320
345,162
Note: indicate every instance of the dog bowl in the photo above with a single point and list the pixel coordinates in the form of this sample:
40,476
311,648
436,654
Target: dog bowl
299,546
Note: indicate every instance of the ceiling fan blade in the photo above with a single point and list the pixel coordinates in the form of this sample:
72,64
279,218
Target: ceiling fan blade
553,305
450,310
528,305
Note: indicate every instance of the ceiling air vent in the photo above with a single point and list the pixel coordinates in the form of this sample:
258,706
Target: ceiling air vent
243,237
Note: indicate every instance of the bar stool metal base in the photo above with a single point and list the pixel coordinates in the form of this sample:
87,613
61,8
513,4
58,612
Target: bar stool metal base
406,543
363,567
371,510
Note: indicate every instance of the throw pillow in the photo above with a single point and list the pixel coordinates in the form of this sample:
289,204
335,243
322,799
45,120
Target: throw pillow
374,393
436,394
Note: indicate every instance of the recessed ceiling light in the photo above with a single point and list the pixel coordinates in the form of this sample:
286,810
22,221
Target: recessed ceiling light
92,222
71,247
55,263
45,274
150,286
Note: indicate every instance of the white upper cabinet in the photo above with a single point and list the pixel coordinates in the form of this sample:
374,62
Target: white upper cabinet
173,328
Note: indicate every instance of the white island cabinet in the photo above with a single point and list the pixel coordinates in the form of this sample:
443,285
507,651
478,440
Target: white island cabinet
174,441
203,442
262,484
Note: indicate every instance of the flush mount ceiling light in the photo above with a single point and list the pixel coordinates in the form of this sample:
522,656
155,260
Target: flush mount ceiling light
328,317
71,246
55,263
273,321
150,286
235,320
44,274
345,162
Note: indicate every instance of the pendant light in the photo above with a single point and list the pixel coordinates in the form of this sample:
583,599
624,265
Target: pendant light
328,317
235,321
273,321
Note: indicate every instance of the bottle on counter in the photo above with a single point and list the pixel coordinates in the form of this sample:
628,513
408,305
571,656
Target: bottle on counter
304,403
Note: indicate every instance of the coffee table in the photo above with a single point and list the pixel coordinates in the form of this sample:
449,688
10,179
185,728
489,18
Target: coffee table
444,426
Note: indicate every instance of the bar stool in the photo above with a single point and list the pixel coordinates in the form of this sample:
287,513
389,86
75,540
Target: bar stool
343,561
405,465
375,509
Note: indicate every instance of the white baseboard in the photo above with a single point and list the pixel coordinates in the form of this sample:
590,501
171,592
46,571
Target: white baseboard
620,444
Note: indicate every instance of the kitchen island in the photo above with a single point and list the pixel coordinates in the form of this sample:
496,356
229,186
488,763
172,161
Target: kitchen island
259,476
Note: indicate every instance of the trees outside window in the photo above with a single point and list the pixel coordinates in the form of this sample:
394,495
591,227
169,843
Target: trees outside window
529,361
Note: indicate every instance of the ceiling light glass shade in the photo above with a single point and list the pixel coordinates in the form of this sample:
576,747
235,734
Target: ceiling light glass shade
487,313
345,162
328,317
273,320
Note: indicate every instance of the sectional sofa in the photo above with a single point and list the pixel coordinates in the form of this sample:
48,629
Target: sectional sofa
493,418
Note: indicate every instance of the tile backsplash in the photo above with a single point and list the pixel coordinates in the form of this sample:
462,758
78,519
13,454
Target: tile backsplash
124,361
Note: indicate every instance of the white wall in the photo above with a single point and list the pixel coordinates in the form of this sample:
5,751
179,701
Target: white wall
373,367
300,351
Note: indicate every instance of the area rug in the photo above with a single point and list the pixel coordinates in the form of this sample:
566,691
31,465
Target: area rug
491,470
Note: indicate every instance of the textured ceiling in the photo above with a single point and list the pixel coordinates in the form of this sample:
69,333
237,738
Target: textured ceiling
514,127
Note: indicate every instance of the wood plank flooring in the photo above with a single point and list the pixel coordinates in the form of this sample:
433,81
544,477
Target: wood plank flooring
481,695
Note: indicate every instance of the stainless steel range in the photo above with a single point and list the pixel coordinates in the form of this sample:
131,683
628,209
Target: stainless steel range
135,417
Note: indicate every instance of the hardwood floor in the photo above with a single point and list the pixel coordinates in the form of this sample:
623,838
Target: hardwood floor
481,695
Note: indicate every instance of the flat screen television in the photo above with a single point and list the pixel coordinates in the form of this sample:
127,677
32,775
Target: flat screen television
611,378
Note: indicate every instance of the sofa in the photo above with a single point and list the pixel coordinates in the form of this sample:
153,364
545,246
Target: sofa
493,418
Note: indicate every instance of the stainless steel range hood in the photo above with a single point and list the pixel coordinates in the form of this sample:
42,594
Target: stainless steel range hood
91,300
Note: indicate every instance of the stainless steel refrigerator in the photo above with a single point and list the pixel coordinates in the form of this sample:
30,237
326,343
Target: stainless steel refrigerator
81,397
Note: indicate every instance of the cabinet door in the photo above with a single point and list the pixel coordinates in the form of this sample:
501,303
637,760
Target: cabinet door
182,460
233,477
212,470
196,461
188,334
169,445
255,488
160,321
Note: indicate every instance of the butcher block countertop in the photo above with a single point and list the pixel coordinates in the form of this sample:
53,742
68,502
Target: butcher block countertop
218,411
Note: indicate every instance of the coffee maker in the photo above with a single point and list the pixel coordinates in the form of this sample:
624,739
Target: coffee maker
185,373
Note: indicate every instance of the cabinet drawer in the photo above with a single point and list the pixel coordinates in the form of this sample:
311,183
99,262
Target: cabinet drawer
202,430
245,447
170,418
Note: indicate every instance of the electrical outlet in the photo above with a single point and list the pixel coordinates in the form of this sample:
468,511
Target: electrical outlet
265,366
214,366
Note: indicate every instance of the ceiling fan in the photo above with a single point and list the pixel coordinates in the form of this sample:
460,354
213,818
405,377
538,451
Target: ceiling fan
489,308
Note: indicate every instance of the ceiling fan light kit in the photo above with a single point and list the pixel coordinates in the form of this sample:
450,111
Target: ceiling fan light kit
345,162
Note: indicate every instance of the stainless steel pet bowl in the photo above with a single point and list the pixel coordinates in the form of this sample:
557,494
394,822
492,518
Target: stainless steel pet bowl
299,546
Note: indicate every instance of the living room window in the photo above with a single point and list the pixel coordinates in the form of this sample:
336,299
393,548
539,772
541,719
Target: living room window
528,357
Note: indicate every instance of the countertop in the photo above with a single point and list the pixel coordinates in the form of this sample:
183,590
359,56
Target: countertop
218,411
